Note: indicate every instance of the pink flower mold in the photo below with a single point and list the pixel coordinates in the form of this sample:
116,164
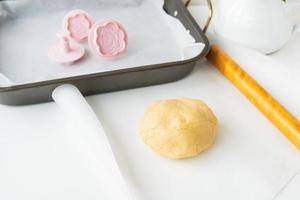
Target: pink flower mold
66,52
108,39
78,24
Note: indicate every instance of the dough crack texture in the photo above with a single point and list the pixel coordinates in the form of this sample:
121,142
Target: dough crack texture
178,128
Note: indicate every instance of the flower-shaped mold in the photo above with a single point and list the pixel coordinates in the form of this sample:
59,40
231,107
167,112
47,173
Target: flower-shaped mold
66,52
108,39
78,24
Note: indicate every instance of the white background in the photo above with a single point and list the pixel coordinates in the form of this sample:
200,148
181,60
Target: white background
40,156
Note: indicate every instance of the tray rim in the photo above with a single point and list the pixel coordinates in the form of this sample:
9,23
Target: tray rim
183,10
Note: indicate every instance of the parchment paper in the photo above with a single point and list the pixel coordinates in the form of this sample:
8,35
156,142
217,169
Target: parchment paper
28,29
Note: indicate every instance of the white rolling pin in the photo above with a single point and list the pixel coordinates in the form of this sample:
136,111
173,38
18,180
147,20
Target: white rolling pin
72,102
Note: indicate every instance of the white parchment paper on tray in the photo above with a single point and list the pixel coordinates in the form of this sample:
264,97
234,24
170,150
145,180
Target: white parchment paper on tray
28,29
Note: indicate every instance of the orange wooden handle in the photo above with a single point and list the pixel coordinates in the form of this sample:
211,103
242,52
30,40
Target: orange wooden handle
273,110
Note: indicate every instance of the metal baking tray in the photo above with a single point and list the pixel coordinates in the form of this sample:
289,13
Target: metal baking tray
90,84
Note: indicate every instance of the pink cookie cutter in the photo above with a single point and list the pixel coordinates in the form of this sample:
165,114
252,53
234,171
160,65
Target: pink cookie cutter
78,24
108,39
65,52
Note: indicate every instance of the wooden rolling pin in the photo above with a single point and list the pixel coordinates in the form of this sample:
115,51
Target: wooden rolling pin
273,110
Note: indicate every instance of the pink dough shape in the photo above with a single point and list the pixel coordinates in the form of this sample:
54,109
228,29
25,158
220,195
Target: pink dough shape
78,24
108,39
65,52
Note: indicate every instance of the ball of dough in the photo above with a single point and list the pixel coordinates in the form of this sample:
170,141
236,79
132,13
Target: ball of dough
178,128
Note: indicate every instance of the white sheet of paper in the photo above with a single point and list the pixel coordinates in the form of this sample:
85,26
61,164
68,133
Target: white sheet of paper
251,159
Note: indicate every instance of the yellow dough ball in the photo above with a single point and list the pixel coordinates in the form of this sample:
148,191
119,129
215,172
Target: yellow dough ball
178,128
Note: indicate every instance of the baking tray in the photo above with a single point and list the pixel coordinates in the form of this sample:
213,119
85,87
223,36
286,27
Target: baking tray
115,80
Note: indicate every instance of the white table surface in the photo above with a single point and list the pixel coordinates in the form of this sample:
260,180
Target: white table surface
39,158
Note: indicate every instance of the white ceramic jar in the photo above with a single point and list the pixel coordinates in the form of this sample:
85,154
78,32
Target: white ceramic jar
263,25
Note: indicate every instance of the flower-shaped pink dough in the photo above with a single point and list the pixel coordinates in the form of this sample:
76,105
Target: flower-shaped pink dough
109,38
78,24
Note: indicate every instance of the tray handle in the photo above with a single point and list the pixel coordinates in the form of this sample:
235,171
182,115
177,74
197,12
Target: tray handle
210,13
